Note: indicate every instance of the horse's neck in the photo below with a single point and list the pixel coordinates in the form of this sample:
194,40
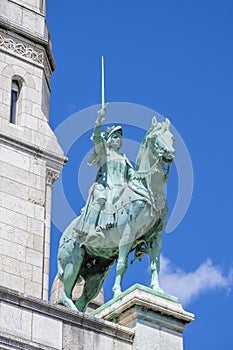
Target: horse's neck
157,180
153,169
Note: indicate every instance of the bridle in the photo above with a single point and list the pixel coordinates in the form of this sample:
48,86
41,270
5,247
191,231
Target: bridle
160,150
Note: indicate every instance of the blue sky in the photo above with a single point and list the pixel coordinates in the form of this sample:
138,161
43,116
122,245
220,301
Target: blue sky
174,57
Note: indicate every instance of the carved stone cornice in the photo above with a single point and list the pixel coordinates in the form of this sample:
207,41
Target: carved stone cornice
15,46
9,43
44,41
52,160
78,320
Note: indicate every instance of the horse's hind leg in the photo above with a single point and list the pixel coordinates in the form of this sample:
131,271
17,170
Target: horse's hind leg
154,248
70,276
91,289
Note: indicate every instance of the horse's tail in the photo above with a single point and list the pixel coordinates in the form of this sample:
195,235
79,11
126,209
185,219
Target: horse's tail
60,271
66,237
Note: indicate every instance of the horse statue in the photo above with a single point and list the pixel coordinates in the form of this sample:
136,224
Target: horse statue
127,216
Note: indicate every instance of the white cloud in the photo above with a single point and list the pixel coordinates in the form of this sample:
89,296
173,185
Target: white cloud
186,286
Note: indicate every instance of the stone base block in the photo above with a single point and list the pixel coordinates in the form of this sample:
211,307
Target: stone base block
157,318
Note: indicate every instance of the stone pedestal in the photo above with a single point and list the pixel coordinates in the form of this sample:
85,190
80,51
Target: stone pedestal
157,318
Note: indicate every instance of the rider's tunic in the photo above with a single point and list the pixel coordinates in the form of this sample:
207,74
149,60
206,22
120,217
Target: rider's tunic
113,190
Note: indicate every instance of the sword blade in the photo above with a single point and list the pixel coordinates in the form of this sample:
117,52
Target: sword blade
102,81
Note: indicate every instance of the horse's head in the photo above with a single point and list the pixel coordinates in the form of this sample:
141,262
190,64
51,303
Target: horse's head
161,140
156,147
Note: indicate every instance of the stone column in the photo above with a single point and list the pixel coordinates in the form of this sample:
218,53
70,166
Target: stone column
157,318
51,176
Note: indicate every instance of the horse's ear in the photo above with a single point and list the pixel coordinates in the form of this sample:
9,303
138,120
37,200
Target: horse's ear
154,121
167,123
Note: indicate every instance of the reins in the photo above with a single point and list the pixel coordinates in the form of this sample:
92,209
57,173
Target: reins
145,174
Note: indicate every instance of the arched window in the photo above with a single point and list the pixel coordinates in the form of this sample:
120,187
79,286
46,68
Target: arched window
15,90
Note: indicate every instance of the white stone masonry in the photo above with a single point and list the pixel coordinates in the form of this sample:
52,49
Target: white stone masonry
30,155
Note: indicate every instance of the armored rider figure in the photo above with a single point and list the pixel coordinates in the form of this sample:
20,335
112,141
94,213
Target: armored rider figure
114,187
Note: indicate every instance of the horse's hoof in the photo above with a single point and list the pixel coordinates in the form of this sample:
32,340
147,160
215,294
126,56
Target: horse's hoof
116,293
80,306
157,289
67,302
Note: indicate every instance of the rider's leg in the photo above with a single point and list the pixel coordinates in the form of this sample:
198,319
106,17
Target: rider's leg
95,208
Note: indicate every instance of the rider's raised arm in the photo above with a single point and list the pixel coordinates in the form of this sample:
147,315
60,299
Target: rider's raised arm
97,138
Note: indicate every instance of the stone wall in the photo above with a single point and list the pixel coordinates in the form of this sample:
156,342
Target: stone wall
30,155
138,319
25,14
30,323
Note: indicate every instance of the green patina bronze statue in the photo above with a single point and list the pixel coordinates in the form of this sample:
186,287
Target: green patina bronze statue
125,211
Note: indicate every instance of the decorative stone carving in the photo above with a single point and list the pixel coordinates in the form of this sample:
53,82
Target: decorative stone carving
21,49
51,176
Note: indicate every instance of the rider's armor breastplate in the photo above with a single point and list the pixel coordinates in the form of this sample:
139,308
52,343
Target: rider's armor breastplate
113,172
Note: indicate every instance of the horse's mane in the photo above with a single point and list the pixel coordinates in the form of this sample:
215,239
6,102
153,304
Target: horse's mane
143,153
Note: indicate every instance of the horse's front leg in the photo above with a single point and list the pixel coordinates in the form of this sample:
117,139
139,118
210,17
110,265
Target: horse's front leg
125,245
154,248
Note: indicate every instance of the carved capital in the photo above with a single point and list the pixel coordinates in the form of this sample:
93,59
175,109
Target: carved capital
51,176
